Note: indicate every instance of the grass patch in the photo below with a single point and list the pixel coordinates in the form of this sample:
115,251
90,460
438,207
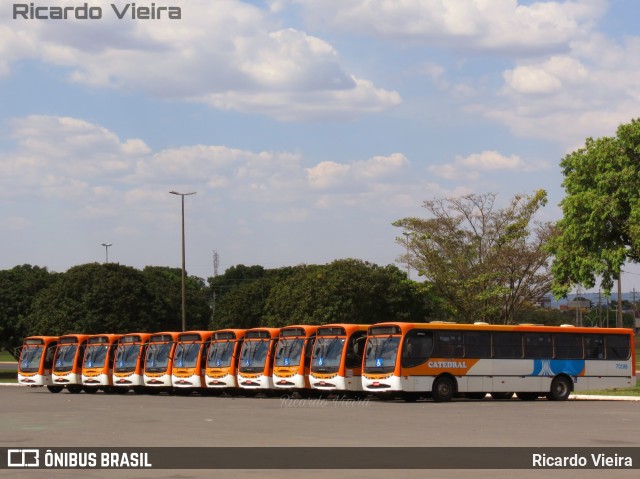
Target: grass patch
6,356
635,391
8,376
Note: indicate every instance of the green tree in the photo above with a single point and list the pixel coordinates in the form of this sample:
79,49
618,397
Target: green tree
346,291
241,295
18,288
165,286
486,264
95,298
600,226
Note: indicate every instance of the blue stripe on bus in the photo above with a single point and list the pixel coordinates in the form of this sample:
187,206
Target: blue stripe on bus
552,367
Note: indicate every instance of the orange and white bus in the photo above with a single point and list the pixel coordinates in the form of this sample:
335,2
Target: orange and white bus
255,371
67,362
441,360
128,365
190,359
293,358
36,361
222,359
336,364
97,366
158,363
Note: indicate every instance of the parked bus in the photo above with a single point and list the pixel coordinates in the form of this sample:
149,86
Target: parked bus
36,361
441,360
128,365
97,366
159,361
190,360
222,359
67,362
293,358
336,364
256,359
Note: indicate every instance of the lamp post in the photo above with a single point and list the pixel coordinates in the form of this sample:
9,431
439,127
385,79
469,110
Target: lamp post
184,301
106,250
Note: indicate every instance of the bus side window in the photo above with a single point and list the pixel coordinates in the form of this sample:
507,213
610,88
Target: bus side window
538,345
308,351
617,346
593,346
80,356
355,349
143,356
203,354
507,345
477,344
48,357
112,353
568,346
416,348
448,344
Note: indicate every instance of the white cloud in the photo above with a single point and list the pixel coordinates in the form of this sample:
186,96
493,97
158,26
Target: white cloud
471,167
529,79
227,54
65,157
566,98
329,174
474,24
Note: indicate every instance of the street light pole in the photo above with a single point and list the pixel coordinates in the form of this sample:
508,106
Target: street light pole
184,301
106,250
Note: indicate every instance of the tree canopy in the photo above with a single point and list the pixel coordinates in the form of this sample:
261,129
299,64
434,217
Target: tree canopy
600,226
487,264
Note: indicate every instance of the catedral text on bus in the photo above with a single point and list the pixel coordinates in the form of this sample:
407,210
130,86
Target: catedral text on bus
436,360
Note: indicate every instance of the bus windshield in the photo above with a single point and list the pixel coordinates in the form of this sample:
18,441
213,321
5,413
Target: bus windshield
381,354
158,357
127,358
65,357
254,355
187,355
289,351
95,356
220,354
30,358
327,354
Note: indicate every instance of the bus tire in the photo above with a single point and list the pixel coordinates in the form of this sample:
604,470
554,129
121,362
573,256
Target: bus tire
527,396
560,389
55,389
90,389
443,389
74,388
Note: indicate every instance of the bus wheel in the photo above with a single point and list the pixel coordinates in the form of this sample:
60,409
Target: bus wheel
443,389
74,388
527,396
476,396
55,389
120,390
560,389
138,389
501,396
90,390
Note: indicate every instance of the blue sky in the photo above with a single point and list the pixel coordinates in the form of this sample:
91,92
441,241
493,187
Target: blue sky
306,128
